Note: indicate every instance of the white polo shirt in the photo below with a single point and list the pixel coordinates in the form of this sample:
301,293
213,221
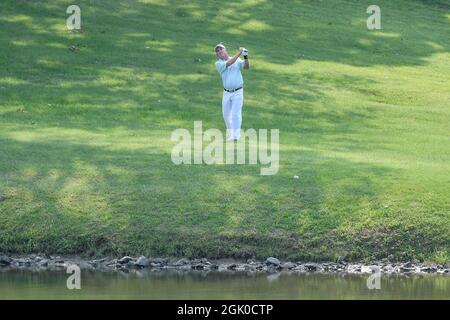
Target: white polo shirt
231,75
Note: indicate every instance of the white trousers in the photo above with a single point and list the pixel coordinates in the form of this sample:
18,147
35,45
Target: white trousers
232,112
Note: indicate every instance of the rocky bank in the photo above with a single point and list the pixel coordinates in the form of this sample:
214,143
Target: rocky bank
43,262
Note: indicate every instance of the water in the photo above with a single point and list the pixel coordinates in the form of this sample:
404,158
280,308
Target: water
173,285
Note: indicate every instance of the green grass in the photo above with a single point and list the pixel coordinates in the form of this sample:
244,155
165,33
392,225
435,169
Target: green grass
364,119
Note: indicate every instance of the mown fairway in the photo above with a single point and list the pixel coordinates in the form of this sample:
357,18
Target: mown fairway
364,120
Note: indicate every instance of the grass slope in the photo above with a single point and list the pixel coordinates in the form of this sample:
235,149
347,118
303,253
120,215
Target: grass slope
363,117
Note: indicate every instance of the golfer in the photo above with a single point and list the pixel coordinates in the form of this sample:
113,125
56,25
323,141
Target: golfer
229,69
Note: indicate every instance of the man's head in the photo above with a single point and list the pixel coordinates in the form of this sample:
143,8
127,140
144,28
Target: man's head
221,51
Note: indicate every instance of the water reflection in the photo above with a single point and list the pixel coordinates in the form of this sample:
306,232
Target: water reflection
148,284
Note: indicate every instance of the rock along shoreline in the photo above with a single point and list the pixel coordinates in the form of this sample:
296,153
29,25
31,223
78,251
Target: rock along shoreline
42,262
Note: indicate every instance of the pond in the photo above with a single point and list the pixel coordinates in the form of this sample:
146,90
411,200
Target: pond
21,284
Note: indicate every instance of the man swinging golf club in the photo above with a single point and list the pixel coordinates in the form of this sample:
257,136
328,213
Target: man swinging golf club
229,69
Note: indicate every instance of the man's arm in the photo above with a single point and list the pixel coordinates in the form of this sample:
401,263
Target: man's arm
236,56
246,63
245,54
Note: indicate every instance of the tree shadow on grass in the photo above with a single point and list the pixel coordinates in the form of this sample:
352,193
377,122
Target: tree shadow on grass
163,80
180,32
96,107
75,198
145,205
